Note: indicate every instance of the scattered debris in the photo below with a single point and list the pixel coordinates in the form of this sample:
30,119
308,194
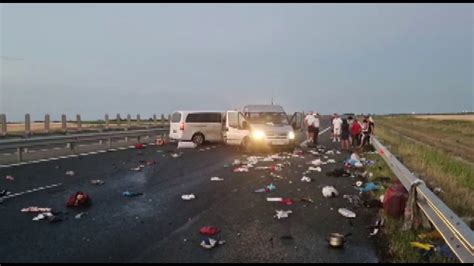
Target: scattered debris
211,243
4,192
287,202
78,199
353,199
346,213
186,145
307,199
79,215
209,230
359,183
274,199
188,197
369,187
9,177
217,179
329,191
70,173
139,146
282,214
318,169
176,155
97,182
305,179
131,194
241,169
435,234
331,161
35,209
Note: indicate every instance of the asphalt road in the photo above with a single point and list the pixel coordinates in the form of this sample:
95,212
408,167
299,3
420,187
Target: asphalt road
160,227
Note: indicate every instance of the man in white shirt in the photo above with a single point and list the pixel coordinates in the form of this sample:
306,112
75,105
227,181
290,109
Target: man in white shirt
309,122
337,122
316,129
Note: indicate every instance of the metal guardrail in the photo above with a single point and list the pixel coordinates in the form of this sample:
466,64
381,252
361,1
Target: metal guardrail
71,140
458,236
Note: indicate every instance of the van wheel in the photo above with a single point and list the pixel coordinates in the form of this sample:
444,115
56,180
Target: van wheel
198,139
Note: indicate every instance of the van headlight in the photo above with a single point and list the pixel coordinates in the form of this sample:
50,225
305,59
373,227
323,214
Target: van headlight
258,134
291,135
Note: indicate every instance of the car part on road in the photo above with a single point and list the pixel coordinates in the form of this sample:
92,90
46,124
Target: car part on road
337,240
346,213
330,191
188,197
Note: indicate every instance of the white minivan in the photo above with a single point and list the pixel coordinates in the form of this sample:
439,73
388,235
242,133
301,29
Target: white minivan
196,126
262,126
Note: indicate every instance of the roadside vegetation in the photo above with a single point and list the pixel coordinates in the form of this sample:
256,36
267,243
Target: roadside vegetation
396,247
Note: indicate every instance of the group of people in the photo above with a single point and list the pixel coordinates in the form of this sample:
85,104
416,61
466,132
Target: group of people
349,132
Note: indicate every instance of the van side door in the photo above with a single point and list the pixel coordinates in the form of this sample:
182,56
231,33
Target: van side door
234,133
297,122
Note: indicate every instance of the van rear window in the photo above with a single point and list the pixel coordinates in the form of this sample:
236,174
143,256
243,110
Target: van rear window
176,117
204,118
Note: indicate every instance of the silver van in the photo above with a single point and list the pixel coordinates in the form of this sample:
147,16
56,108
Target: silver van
196,126
262,126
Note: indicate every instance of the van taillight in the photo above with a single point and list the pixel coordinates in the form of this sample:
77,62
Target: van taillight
181,126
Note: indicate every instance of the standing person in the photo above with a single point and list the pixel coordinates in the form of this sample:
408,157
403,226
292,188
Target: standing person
371,125
337,122
316,129
309,122
350,120
355,132
365,132
345,132
332,126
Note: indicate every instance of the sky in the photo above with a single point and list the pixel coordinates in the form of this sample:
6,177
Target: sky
93,59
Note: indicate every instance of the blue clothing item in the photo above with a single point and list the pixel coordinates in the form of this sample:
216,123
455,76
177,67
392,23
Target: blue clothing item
131,194
369,187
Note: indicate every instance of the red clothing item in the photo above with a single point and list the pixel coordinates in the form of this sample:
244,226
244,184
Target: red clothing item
356,128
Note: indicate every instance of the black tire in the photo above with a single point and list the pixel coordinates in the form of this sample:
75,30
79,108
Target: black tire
198,139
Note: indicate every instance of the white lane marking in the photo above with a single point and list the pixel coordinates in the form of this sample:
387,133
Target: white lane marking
29,191
324,130
65,157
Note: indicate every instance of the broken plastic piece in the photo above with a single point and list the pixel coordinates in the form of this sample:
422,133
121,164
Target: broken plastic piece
186,145
287,202
216,179
70,173
97,182
36,209
211,243
79,215
305,179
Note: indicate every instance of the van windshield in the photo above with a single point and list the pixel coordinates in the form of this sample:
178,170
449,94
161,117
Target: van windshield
279,118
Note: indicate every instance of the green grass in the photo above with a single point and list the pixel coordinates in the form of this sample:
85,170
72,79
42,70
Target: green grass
398,242
437,169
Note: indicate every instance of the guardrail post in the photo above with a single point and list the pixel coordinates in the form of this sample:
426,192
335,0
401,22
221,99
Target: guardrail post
63,123
138,119
47,121
138,139
109,143
162,121
154,119
107,126
3,125
71,146
118,120
27,124
79,124
129,122
19,151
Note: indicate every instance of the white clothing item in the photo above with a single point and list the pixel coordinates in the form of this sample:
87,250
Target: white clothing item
337,130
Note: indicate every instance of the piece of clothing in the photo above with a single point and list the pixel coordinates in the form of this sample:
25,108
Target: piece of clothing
345,132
